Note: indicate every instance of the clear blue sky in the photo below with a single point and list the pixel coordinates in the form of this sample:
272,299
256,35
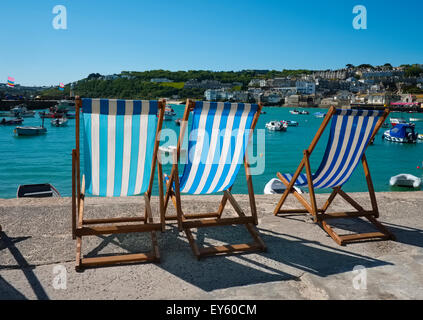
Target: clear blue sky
136,35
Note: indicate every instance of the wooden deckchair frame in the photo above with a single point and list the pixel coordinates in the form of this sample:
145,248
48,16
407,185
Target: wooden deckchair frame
321,215
90,227
186,222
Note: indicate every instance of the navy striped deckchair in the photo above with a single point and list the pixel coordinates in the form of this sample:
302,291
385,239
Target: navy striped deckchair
351,131
217,146
121,140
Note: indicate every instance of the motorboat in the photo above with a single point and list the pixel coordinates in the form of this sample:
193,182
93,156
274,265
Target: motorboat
291,123
31,130
169,113
59,122
12,122
405,180
44,190
319,114
20,111
420,136
402,133
416,119
276,126
275,186
178,122
303,112
294,112
51,115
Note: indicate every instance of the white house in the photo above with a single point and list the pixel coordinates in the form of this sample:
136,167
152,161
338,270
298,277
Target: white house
306,87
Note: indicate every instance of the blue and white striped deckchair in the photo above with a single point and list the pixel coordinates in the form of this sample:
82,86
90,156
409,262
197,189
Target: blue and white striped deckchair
120,140
217,146
351,131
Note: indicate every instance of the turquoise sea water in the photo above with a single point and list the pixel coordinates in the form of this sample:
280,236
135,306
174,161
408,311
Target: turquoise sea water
47,158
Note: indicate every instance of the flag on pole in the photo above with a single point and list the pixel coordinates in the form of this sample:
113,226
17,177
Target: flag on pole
61,87
10,82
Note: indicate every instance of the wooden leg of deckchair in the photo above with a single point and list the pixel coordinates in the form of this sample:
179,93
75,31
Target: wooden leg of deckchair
149,215
330,199
178,204
299,197
248,222
168,192
249,226
370,186
161,195
192,243
78,266
310,185
222,204
382,234
289,186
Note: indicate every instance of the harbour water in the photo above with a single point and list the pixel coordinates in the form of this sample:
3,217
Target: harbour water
47,158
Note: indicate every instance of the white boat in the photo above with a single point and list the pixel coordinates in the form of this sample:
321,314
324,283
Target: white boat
420,136
275,186
294,112
276,126
59,122
30,131
20,111
304,112
405,180
416,119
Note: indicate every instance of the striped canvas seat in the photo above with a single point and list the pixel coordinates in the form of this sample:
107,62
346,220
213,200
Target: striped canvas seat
349,135
217,146
118,145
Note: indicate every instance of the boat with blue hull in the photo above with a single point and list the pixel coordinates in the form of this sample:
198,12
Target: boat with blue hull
402,133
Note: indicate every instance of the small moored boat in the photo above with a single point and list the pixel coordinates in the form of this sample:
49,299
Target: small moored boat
275,186
44,190
12,122
405,180
276,126
59,122
402,133
319,114
291,123
31,130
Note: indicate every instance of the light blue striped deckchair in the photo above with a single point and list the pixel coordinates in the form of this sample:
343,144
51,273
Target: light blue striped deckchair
121,140
216,150
351,132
